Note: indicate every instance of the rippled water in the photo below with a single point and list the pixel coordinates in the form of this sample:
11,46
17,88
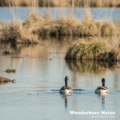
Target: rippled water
40,73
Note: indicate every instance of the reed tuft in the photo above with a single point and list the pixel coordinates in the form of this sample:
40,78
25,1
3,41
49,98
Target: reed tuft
93,50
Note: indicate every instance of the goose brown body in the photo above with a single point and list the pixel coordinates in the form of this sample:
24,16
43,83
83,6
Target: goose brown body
100,88
103,88
66,89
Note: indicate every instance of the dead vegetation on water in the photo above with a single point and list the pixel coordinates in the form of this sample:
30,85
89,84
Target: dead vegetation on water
5,80
10,71
102,50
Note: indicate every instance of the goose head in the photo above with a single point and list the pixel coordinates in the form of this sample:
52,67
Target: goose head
66,80
103,82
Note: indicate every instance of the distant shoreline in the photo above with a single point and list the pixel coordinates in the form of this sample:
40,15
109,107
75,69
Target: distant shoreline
60,3
54,7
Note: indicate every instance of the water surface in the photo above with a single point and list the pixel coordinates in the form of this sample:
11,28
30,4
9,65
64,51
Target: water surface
40,73
6,14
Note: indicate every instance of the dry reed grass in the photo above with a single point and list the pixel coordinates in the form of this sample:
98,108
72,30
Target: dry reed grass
62,3
70,26
0,27
96,3
16,33
36,26
18,3
41,3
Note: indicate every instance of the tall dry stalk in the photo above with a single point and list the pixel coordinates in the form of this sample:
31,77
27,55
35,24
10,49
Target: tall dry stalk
72,7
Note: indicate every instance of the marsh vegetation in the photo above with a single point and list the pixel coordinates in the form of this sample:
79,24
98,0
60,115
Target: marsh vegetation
36,49
94,49
35,27
29,31
61,3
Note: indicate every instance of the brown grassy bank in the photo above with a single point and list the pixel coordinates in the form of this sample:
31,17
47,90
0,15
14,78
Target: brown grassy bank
61,3
70,26
35,26
16,33
103,50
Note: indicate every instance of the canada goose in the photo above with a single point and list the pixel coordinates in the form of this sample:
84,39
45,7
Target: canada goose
102,89
66,89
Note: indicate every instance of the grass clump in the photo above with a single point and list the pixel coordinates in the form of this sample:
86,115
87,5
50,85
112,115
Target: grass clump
108,29
86,51
35,26
16,34
92,50
64,26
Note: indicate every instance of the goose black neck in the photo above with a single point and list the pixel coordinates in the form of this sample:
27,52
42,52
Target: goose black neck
66,82
103,84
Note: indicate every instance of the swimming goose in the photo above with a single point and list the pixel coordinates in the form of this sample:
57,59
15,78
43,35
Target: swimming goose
66,89
102,89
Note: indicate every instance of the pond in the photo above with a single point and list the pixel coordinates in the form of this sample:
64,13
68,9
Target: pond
6,14
40,73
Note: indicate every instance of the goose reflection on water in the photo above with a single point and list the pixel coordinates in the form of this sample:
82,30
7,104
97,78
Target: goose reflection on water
66,97
102,96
